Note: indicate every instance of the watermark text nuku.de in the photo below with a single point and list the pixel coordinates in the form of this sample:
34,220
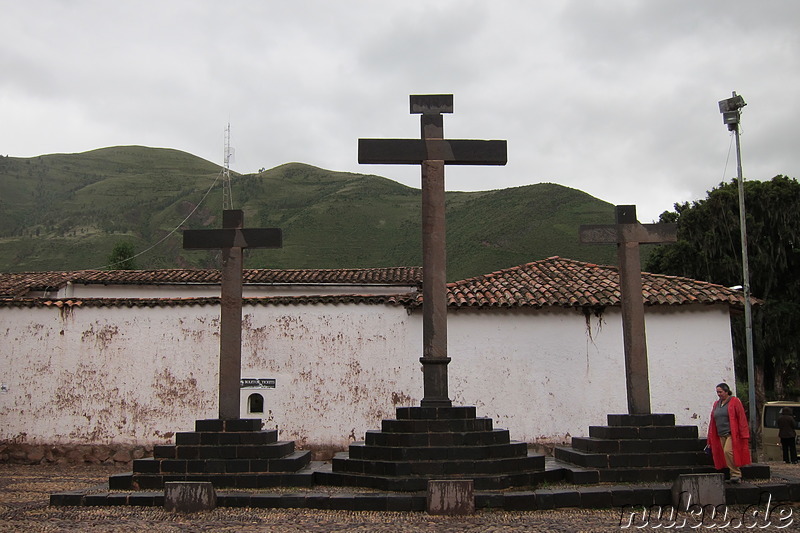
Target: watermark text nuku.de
762,515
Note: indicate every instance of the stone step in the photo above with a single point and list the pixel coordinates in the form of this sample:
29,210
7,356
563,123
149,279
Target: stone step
223,451
246,480
491,500
630,460
655,419
469,438
571,473
426,425
213,438
228,425
359,450
631,500
285,463
654,474
500,466
420,483
643,432
596,445
435,413
287,471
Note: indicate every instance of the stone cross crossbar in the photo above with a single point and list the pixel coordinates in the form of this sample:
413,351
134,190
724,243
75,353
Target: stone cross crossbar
217,239
639,233
415,151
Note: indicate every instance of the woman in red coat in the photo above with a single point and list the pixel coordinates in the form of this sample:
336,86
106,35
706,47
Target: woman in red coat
728,434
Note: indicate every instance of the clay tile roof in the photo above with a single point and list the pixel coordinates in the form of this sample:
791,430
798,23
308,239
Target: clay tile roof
67,304
17,285
554,281
356,276
568,283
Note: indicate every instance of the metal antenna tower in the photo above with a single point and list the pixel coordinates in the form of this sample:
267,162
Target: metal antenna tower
227,196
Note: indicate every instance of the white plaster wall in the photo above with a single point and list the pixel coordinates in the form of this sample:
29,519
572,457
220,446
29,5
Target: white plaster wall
137,375
546,375
690,350
94,375
340,369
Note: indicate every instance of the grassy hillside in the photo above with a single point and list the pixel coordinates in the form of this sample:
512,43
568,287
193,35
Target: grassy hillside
67,211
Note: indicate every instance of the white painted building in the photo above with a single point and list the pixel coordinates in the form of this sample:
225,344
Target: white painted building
131,357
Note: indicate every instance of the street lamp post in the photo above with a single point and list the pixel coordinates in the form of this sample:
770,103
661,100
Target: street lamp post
731,110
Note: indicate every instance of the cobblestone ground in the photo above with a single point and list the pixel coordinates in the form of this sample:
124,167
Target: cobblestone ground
25,490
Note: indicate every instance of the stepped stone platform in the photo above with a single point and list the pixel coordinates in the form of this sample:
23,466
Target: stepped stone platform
426,443
784,488
228,453
640,448
605,469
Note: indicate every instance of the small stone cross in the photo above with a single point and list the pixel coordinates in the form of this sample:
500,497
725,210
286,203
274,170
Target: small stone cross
432,151
627,234
231,239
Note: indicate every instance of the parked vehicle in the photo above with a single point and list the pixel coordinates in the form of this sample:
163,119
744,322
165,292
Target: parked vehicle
769,428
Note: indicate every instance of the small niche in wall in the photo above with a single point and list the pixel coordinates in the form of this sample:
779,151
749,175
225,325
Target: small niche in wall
255,403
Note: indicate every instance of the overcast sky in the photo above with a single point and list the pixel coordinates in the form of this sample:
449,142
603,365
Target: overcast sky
616,98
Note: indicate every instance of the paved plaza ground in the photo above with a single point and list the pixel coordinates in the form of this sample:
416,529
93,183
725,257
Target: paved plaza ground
25,490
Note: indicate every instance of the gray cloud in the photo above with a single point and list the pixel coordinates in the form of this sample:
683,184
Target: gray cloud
617,98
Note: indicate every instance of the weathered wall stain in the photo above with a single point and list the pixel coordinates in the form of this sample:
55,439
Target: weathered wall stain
400,399
171,390
65,312
196,330
102,336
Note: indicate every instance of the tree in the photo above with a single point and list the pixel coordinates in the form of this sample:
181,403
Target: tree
709,248
122,257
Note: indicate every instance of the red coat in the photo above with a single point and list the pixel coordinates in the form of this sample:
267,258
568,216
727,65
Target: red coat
740,433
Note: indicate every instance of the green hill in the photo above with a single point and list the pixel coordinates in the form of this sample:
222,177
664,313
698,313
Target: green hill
67,211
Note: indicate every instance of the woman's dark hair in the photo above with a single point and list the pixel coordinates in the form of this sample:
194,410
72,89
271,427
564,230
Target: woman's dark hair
724,387
786,411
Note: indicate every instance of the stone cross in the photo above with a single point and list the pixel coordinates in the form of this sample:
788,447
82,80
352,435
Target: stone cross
432,151
231,239
627,234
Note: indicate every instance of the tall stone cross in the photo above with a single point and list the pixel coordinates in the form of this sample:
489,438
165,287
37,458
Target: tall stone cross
232,239
628,234
432,151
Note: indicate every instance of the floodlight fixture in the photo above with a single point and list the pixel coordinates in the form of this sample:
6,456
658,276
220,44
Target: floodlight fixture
731,110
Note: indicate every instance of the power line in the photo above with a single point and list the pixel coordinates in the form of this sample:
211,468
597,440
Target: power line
168,235
727,158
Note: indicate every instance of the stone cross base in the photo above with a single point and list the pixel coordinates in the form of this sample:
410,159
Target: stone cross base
435,443
642,448
234,453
